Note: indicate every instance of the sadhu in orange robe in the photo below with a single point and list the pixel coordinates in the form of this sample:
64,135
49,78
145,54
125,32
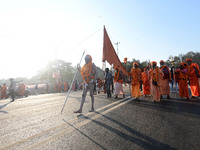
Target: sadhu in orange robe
136,75
3,91
22,89
65,86
145,82
182,76
118,81
155,77
165,89
193,71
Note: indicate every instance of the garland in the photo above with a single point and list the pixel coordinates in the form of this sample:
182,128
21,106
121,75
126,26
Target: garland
180,72
85,71
116,76
154,78
136,72
162,67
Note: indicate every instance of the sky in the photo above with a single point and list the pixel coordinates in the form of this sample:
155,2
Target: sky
34,32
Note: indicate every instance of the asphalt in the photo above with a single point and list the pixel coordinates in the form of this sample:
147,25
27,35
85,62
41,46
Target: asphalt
36,122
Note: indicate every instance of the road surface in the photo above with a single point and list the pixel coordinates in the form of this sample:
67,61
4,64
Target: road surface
35,122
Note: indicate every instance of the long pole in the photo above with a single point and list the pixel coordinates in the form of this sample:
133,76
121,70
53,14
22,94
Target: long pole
72,83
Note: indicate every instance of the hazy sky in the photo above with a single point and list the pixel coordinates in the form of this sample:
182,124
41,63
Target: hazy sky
32,32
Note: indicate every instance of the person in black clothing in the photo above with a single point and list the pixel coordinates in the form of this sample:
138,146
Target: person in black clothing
108,82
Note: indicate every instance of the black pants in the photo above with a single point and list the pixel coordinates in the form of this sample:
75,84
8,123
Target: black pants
12,94
108,89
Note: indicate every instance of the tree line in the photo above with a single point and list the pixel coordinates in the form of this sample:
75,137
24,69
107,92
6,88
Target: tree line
45,75
172,60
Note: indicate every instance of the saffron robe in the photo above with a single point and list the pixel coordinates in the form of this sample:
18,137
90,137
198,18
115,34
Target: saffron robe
194,82
182,83
155,89
164,88
145,83
136,75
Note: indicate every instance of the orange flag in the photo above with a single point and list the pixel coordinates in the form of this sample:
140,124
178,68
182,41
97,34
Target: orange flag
109,53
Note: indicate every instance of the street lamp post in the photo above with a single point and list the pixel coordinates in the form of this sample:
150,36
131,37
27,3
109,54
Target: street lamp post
117,46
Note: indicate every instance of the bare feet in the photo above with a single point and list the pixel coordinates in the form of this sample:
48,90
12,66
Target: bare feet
91,110
78,111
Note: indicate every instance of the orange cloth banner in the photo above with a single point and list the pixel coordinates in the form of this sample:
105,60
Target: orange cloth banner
109,53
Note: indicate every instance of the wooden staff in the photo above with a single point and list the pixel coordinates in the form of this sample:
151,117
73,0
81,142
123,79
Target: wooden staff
72,84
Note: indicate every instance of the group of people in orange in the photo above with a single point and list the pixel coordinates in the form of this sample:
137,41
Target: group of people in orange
155,80
21,89
60,87
4,90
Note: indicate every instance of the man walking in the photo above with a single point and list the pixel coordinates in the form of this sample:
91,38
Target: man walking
88,72
108,82
12,88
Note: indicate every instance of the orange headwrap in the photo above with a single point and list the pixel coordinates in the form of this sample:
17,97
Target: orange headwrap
116,67
135,63
162,61
153,62
188,59
181,64
125,60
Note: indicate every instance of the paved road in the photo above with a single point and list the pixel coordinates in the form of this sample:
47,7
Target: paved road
36,123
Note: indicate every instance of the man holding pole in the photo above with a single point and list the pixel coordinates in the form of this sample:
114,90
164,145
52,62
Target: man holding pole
89,75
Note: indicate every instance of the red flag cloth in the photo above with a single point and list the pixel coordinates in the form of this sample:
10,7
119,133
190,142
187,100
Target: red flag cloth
109,53
56,75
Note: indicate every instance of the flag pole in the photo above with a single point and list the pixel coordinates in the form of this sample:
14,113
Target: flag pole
72,83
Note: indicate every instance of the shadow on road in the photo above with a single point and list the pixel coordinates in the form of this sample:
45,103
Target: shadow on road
2,106
141,140
84,135
173,106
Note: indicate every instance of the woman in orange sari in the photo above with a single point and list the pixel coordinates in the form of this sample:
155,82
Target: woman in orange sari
155,75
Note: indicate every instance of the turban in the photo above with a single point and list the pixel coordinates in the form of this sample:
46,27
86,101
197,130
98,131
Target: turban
153,62
185,65
88,58
116,67
162,61
135,63
188,59
181,64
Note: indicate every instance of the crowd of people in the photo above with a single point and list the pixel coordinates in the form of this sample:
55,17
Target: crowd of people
151,81
19,89
155,81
